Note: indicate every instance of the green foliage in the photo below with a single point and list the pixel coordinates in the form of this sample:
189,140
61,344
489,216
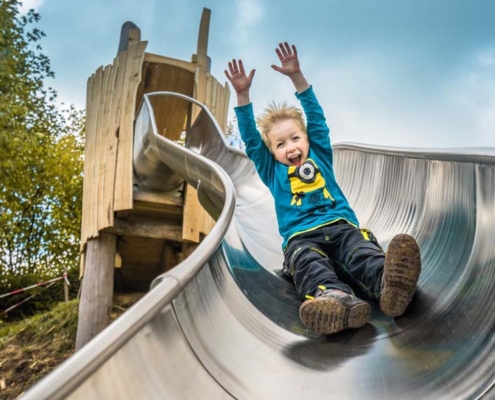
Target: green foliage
233,136
32,348
41,162
63,317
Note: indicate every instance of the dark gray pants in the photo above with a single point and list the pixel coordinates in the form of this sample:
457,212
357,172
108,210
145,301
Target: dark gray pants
331,253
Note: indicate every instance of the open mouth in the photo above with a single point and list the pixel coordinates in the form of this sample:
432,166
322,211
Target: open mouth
295,160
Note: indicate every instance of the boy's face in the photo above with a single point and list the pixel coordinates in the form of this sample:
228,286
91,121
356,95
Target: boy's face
288,143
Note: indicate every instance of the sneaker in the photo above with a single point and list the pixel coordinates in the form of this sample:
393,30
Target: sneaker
400,275
333,310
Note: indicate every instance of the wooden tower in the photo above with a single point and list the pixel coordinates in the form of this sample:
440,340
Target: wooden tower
129,233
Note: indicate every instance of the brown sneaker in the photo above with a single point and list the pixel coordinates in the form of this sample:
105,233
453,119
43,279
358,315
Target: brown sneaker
400,275
333,310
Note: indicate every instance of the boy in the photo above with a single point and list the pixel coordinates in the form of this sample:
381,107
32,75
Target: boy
322,241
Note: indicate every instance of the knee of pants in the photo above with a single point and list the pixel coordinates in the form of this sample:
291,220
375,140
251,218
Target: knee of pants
302,254
363,250
369,236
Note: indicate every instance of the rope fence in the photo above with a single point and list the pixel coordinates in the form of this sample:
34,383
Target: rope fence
49,283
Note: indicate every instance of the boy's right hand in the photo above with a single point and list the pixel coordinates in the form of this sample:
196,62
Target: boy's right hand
238,78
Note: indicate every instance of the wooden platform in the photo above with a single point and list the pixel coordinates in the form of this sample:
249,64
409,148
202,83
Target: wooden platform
154,231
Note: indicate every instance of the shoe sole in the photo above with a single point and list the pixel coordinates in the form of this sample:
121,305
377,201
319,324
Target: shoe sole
400,275
325,316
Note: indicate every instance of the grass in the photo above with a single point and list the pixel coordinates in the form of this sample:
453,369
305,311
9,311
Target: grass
33,347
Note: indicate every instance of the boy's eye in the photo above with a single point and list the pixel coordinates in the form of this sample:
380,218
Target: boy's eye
279,145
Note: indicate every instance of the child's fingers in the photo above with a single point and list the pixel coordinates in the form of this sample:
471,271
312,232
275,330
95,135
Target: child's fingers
251,74
287,48
294,50
283,50
229,77
233,67
241,67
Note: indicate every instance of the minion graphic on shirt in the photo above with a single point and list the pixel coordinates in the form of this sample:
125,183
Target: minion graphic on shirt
308,187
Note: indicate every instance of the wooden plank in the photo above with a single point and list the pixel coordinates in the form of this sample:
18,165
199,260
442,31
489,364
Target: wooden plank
202,47
112,142
216,99
211,94
154,58
226,104
191,217
157,205
219,102
170,112
220,106
139,252
134,36
129,33
207,222
208,91
124,177
90,159
158,198
104,132
146,229
85,204
196,220
200,87
101,135
96,154
86,211
213,97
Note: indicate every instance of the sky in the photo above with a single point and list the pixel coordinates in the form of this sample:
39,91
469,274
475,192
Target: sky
401,73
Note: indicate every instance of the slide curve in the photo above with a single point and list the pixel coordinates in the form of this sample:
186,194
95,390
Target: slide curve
224,323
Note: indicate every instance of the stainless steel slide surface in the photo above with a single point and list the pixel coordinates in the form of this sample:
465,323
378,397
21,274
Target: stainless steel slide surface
224,323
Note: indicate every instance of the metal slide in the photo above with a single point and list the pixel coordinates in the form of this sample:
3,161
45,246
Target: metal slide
224,323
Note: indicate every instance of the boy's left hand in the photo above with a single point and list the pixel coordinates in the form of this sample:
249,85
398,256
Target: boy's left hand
288,57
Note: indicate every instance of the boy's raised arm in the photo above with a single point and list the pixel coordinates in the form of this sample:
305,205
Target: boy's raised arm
290,66
240,81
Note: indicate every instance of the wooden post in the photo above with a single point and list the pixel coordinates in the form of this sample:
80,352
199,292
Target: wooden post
202,47
192,221
66,287
97,288
129,33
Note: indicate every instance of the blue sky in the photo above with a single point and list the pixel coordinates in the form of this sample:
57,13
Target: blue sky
411,73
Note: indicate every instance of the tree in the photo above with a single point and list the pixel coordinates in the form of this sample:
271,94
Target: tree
233,136
41,160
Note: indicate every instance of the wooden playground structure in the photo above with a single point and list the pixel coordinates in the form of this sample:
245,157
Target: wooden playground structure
129,233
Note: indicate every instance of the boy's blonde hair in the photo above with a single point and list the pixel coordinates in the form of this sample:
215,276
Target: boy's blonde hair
276,113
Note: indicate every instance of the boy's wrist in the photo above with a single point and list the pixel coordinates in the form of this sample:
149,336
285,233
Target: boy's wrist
299,81
296,76
243,98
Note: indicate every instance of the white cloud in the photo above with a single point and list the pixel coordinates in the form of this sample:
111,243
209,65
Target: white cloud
368,98
26,5
473,92
250,13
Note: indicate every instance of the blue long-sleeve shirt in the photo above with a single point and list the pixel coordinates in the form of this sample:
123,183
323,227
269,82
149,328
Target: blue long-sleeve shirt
306,197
